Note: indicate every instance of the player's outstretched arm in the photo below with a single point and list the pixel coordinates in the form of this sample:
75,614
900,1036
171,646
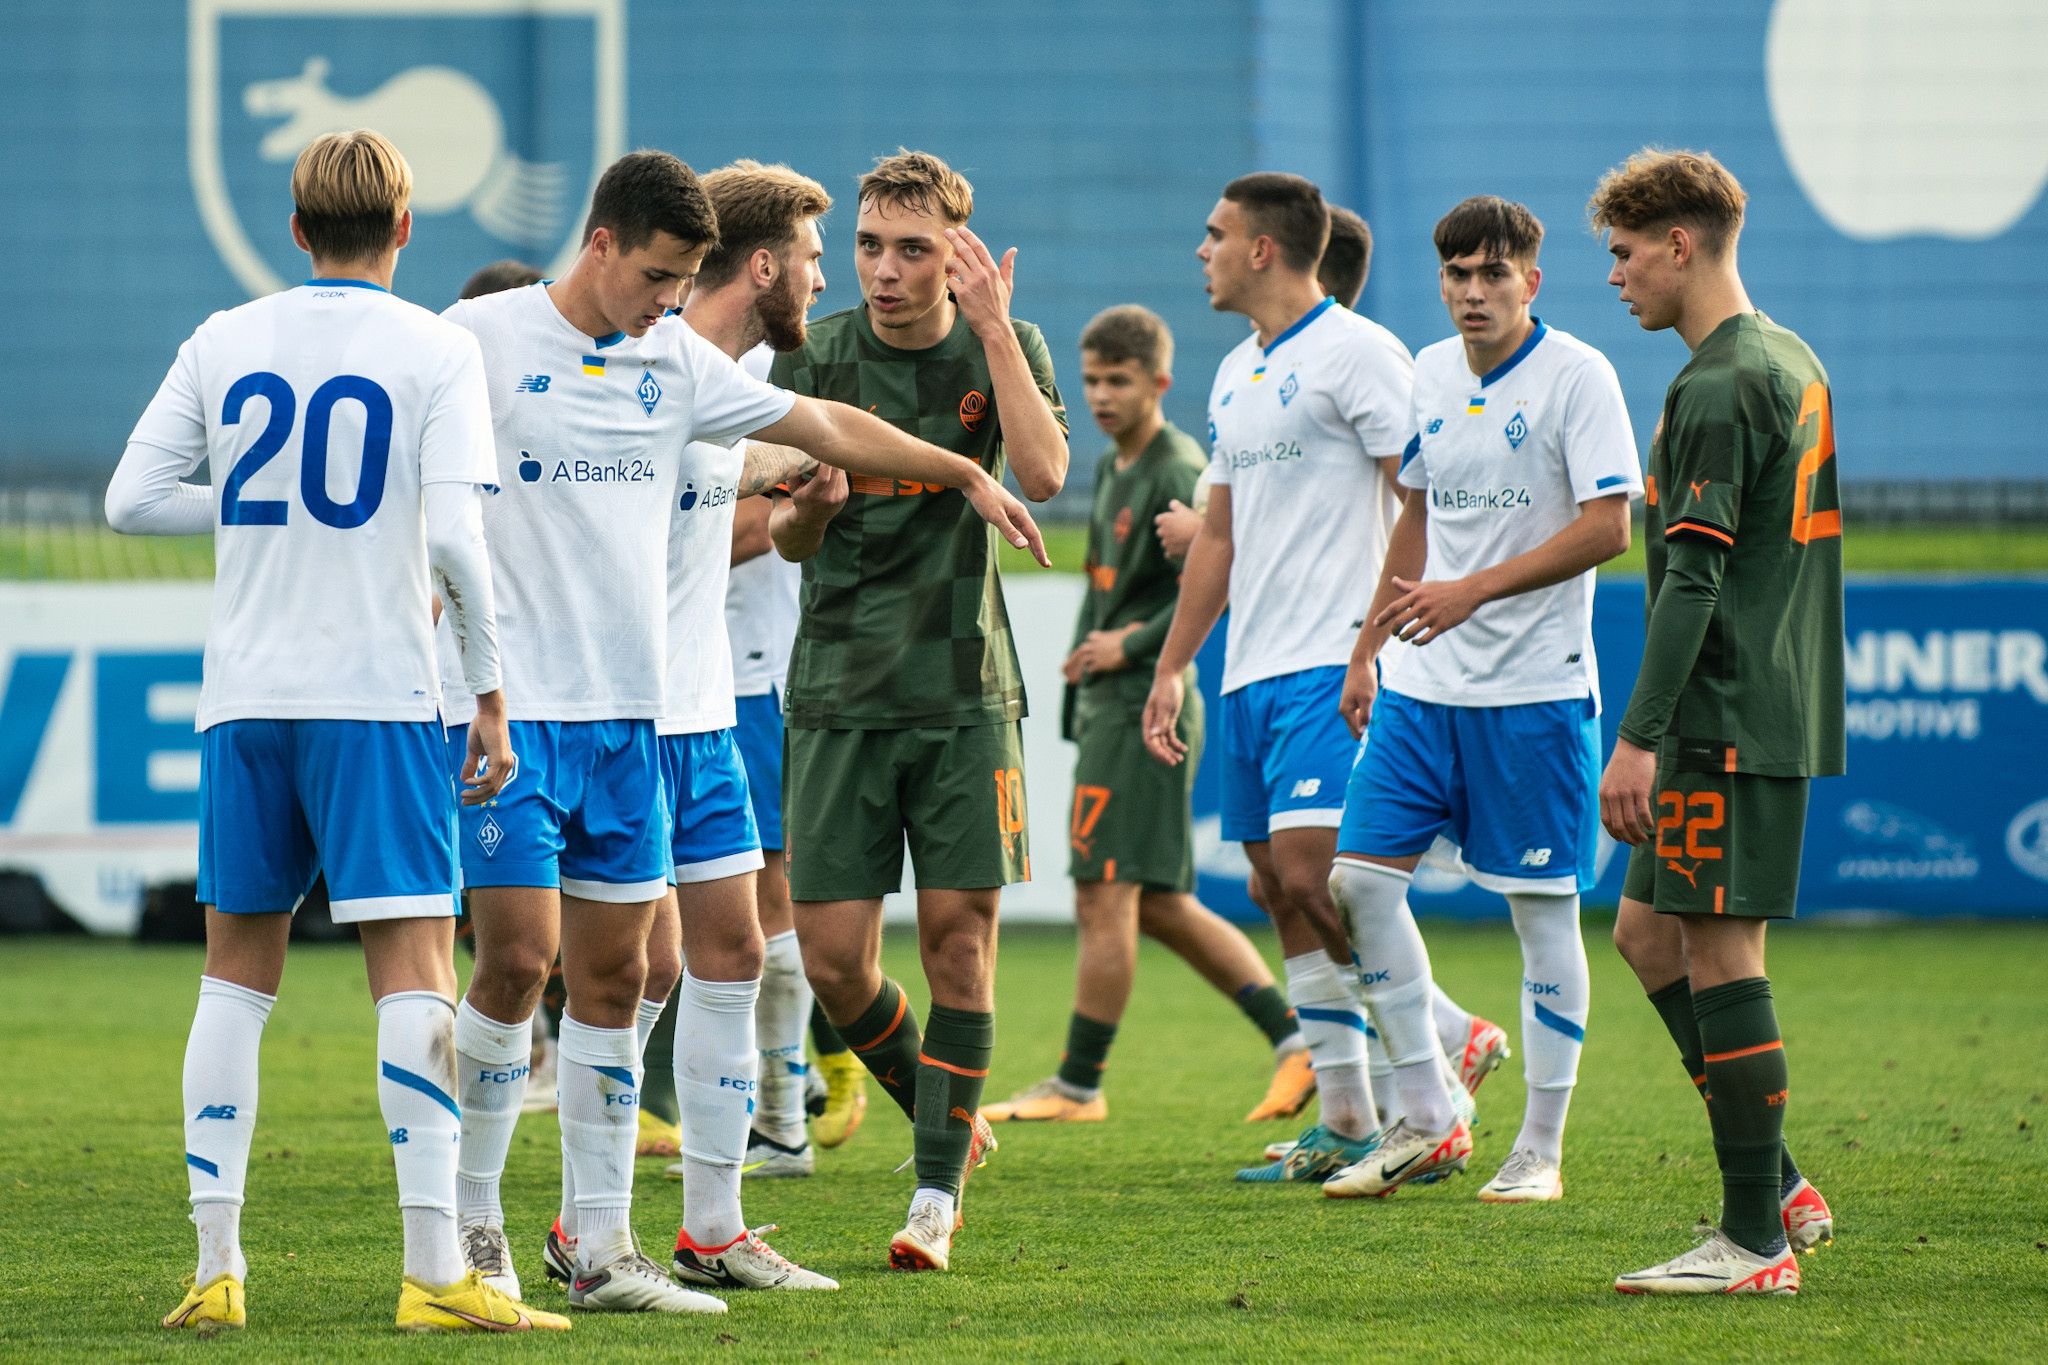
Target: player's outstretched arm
770,466
862,443
1204,591
1423,611
1032,435
461,569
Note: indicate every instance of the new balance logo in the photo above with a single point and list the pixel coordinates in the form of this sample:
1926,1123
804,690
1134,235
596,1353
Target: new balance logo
215,1111
533,383
1542,987
1308,786
1535,857
399,1137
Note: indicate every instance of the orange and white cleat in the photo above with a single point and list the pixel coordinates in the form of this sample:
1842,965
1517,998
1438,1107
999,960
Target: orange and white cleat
1050,1101
1403,1154
1809,1223
1718,1265
979,1150
926,1242
1292,1087
1485,1049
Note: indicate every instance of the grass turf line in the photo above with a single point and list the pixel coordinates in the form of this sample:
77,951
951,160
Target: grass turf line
92,554
1917,1107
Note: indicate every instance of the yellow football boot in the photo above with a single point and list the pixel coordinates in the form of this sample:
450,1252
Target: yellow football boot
1047,1102
211,1306
1294,1084
469,1305
846,1099
658,1137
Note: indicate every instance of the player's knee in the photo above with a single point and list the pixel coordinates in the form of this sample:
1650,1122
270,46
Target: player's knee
960,957
838,983
664,970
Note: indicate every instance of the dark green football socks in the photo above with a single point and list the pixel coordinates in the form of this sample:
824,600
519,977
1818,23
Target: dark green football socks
1744,1063
1087,1054
951,1072
886,1040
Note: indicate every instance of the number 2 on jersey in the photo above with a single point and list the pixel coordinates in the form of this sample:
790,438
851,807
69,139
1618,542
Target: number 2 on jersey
235,510
1808,525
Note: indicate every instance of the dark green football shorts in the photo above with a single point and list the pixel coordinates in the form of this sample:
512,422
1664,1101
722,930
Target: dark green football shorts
1726,844
852,798
1131,819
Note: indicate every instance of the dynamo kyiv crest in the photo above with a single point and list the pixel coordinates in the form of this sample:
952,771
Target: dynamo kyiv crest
507,111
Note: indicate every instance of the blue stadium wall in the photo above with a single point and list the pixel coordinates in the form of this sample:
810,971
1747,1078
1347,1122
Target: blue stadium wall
1897,226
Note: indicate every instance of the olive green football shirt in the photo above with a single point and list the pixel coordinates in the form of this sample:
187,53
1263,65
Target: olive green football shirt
903,622
1744,460
1130,578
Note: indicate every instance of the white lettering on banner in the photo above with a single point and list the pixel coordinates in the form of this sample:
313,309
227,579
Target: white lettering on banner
1885,719
1948,661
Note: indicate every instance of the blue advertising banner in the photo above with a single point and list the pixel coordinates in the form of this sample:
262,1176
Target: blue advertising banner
1944,810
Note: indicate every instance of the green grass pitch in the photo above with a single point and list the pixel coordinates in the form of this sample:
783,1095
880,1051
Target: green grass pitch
1917,1106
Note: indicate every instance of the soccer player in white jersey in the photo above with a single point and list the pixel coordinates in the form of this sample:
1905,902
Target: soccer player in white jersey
1307,418
595,393
348,434
1521,465
751,294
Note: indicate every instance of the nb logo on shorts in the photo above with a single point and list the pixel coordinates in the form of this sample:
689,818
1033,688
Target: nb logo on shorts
490,835
1535,857
1308,786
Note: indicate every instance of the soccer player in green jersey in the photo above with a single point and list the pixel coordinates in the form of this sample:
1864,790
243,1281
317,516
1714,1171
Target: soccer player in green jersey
1739,699
904,691
1131,834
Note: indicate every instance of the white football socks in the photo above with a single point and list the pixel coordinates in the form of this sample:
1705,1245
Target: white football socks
716,1064
1556,995
1393,976
1327,1009
494,1056
416,1092
600,1117
644,1020
780,1017
220,1117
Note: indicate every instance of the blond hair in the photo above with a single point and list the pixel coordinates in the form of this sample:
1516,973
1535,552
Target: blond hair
1657,188
350,189
921,182
757,206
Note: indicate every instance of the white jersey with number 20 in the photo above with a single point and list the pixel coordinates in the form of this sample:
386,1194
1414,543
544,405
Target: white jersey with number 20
322,412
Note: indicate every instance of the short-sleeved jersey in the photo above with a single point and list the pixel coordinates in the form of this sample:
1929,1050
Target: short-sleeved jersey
700,666
590,435
322,411
1744,457
1505,459
1130,578
903,619
1296,429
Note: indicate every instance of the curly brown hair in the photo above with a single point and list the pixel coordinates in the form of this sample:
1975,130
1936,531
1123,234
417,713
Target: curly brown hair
1656,188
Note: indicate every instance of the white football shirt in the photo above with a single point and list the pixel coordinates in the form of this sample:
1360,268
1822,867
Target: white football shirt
322,411
1295,430
700,655
1505,459
761,610
590,445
